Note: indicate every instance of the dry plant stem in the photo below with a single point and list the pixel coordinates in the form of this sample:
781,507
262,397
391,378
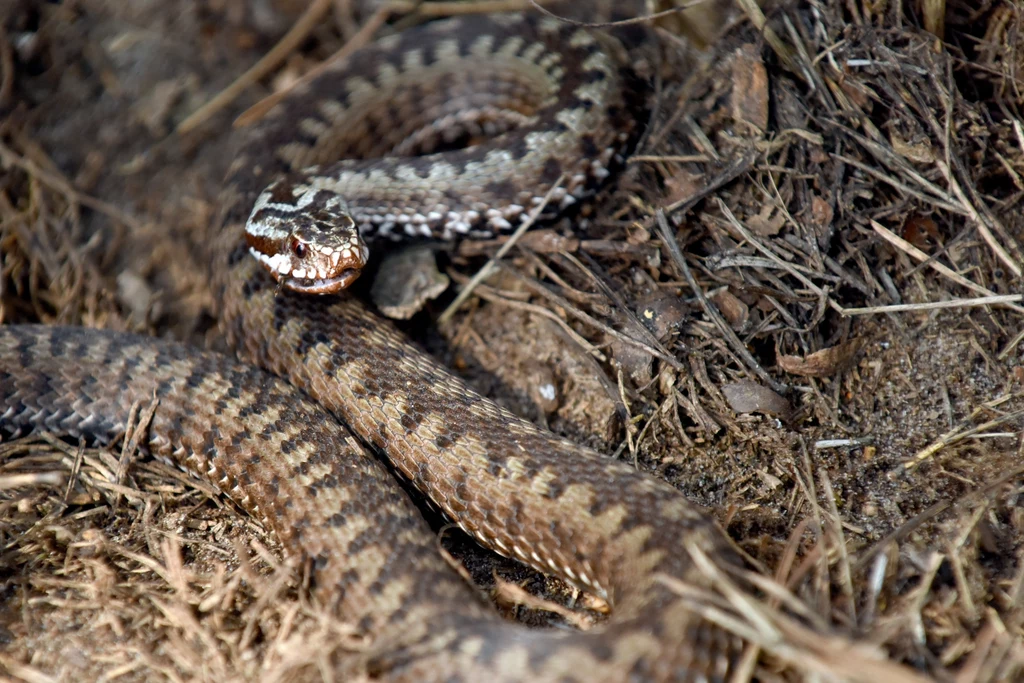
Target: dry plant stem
6,69
1011,345
12,481
934,13
596,302
316,11
76,468
575,312
934,305
919,255
952,166
979,222
447,9
888,157
645,335
361,38
604,24
758,19
932,512
839,541
772,256
677,158
491,264
710,310
920,196
489,294
729,174
803,476
8,157
955,436
782,636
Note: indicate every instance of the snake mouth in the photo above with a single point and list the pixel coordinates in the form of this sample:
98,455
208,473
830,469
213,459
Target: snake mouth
330,285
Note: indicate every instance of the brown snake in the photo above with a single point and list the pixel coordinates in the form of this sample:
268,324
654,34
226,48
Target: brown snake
557,96
524,492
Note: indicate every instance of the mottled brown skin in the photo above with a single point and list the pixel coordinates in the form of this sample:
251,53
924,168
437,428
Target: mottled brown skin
522,491
257,438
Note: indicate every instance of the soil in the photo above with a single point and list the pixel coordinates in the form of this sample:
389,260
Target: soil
820,182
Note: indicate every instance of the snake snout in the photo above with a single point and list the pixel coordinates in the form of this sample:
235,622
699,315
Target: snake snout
331,285
306,238
323,266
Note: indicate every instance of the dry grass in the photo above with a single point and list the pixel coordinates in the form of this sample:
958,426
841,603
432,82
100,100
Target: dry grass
800,304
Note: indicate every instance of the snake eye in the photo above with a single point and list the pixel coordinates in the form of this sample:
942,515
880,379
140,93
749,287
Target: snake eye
299,249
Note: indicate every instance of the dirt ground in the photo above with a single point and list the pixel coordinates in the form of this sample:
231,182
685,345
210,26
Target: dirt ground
799,304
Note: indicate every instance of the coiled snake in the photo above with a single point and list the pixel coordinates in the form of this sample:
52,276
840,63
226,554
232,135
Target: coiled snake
519,490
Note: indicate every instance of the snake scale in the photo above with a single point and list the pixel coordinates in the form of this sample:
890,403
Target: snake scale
276,444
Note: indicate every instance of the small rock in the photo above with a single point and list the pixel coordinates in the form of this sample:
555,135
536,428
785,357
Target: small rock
732,309
636,362
663,314
751,397
408,278
543,389
136,295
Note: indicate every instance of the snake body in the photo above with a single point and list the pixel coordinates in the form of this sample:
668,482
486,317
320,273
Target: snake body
522,491
552,102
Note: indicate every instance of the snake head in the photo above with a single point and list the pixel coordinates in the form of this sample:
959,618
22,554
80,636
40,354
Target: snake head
305,238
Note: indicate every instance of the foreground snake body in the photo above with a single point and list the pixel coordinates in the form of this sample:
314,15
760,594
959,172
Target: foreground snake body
519,490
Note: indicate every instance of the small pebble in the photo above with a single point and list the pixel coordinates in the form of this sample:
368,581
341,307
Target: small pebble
408,278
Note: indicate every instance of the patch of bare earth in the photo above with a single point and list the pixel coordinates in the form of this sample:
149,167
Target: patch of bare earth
799,304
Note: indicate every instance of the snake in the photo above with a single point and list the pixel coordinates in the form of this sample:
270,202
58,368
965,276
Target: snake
554,105
291,424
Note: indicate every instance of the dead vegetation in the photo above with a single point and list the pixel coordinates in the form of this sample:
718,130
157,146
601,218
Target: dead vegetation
800,304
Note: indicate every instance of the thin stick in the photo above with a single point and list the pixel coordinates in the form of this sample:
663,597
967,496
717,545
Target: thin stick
60,184
934,305
733,341
581,315
624,22
488,268
361,38
916,253
980,223
446,9
313,14
753,241
954,436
